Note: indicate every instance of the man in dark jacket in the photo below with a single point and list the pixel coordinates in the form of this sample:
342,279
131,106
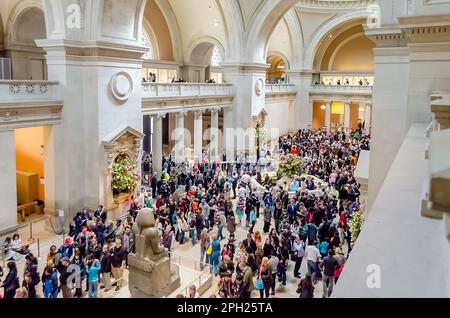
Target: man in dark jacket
105,262
64,275
99,231
329,265
118,262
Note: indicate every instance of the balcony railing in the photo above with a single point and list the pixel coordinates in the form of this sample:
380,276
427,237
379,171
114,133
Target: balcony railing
280,88
13,91
154,90
341,89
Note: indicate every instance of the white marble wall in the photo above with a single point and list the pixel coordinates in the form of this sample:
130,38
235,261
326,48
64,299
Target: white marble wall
8,192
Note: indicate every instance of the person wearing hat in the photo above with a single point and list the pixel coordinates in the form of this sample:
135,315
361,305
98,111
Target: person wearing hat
64,275
67,248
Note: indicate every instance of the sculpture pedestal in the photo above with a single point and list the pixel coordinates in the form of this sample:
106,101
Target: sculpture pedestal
152,279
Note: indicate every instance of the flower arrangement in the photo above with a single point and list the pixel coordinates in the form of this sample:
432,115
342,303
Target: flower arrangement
356,222
125,175
290,166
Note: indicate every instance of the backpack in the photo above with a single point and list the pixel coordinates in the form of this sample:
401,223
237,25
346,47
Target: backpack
192,223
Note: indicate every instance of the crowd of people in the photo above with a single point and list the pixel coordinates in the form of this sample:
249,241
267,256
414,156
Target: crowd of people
204,204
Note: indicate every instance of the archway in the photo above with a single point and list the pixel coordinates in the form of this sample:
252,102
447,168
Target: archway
276,73
205,58
26,25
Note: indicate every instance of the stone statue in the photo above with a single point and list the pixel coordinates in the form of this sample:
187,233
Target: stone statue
151,273
145,226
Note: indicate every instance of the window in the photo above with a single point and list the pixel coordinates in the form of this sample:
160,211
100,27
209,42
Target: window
216,59
145,39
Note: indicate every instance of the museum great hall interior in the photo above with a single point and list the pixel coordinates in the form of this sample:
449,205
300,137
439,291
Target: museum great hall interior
83,82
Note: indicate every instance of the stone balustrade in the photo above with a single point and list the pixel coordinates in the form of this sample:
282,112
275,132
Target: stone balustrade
29,103
280,88
335,4
437,202
158,90
341,89
13,91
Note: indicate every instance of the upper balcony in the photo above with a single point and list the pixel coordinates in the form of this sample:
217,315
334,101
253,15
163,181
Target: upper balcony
158,90
162,98
345,86
280,92
341,89
17,91
29,103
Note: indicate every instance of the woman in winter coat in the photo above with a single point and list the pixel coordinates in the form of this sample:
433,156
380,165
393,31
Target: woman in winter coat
11,283
231,224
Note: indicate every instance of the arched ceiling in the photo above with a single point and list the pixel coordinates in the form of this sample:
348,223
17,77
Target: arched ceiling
29,27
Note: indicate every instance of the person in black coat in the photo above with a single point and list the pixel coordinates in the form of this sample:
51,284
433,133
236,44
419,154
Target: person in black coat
32,267
11,283
105,263
29,284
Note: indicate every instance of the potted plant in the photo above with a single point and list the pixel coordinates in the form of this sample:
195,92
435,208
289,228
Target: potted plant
290,166
356,222
125,178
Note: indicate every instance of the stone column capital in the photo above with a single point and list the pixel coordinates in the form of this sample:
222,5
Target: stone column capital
160,115
180,114
215,111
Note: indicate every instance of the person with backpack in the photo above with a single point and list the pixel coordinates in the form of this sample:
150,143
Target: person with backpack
252,220
50,282
31,266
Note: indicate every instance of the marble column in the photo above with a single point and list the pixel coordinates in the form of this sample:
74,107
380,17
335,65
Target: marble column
157,144
303,114
347,116
198,134
228,133
8,193
214,139
178,137
368,118
328,116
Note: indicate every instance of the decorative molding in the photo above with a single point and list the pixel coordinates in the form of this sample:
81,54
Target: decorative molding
121,86
91,49
29,114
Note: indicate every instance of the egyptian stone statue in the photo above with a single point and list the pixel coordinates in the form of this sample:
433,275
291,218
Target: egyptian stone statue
145,226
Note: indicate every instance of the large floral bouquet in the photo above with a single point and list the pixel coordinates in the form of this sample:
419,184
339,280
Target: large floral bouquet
290,166
356,222
125,175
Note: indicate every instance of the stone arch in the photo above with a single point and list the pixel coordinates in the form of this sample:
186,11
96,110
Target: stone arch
264,22
313,46
282,56
234,29
276,60
22,8
153,39
295,29
199,51
174,28
25,25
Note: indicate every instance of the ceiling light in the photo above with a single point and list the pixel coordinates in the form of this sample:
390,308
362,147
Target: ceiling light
361,109
323,107
216,23
281,66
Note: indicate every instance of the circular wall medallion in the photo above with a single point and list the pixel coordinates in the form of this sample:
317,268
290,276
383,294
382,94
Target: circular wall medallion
259,86
121,86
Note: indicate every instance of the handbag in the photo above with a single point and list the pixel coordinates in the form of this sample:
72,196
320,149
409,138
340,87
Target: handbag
209,250
260,284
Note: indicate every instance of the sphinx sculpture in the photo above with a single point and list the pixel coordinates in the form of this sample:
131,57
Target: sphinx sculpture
151,273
